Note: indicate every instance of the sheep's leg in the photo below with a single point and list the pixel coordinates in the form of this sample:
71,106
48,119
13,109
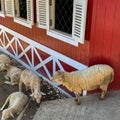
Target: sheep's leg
6,77
32,95
6,102
104,91
77,99
20,86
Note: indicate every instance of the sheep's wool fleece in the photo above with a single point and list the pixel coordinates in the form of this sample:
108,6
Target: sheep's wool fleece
89,78
4,59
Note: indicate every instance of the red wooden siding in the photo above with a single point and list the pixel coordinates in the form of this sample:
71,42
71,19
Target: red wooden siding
80,53
105,36
102,41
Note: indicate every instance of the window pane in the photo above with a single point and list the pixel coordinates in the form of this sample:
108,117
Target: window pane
23,9
0,6
63,15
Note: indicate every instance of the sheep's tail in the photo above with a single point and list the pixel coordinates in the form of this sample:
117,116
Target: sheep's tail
112,76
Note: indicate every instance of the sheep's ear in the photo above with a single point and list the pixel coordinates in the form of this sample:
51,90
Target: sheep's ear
61,73
12,114
42,93
31,95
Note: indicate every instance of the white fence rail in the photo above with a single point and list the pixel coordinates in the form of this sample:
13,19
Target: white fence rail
14,41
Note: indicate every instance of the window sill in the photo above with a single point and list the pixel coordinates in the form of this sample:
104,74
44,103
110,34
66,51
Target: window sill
2,15
23,22
63,37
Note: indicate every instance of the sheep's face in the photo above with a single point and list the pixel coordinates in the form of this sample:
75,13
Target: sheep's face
6,114
2,67
58,76
38,96
15,79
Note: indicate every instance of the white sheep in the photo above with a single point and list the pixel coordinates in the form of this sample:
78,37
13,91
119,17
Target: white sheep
12,72
97,76
33,82
17,102
4,59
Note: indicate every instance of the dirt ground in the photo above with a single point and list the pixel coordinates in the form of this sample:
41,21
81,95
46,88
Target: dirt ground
51,94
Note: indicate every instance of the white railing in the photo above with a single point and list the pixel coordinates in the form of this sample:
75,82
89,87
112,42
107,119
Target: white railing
13,41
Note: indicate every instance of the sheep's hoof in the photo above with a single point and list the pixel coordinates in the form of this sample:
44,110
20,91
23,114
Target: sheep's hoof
78,103
75,99
7,82
101,98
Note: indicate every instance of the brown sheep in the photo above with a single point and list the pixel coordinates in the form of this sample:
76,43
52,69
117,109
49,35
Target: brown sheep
17,102
97,76
12,72
33,82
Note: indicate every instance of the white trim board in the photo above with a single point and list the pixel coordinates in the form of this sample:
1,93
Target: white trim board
33,46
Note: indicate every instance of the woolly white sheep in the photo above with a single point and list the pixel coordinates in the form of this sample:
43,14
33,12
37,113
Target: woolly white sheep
33,82
12,72
97,76
4,59
17,102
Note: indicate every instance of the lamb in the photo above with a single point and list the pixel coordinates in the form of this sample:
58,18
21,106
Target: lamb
17,102
96,76
12,72
4,59
33,82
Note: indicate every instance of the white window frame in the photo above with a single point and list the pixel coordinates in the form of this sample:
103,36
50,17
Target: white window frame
10,7
2,12
26,22
77,34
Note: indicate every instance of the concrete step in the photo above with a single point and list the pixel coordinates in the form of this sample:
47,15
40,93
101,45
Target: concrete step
91,108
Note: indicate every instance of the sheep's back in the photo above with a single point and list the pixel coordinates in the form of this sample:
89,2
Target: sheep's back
18,100
29,79
92,77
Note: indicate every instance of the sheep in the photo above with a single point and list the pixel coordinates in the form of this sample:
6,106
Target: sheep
12,72
17,102
33,82
4,59
96,76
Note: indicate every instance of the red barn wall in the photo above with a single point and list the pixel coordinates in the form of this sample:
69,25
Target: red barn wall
105,36
102,39
80,53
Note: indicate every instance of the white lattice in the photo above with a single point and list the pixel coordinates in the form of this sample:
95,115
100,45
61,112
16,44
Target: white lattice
10,37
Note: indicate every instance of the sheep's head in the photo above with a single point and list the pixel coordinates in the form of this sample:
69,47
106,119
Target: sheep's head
38,95
58,76
2,66
6,114
15,79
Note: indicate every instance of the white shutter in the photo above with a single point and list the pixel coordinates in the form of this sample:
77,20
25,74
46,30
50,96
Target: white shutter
9,7
51,15
2,12
17,12
2,6
79,20
42,12
30,11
